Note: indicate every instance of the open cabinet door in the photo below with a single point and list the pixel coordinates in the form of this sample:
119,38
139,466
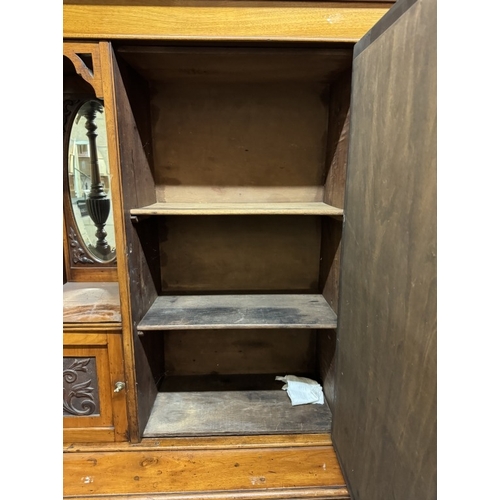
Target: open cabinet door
384,421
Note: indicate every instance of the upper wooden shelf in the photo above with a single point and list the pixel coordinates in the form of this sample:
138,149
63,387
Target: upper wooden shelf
313,208
188,312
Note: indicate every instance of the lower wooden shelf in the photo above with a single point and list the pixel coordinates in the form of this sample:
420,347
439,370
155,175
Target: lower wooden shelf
214,413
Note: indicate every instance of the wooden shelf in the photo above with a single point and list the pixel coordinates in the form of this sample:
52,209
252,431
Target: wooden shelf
189,312
311,208
216,413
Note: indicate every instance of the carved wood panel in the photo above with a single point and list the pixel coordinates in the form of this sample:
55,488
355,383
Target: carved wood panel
80,387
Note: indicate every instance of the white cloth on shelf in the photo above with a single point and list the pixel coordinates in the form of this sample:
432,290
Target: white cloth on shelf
302,390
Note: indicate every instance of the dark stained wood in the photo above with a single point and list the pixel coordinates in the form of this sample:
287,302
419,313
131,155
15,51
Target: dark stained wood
336,162
187,312
239,141
338,140
247,253
236,64
236,351
253,382
234,412
329,270
384,417
140,256
389,18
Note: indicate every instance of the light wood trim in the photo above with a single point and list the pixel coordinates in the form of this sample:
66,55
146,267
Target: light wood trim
316,493
117,374
318,21
313,208
210,443
93,273
72,328
121,250
89,435
92,76
86,339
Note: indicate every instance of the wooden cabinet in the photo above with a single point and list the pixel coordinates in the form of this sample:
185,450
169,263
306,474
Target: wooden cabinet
233,217
93,378
274,208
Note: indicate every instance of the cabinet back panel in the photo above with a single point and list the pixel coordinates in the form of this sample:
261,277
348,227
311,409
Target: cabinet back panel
219,141
247,253
239,352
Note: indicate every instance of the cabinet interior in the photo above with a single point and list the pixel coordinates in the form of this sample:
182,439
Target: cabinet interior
233,205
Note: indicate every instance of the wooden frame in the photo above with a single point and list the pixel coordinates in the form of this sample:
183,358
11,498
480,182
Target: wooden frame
79,263
101,342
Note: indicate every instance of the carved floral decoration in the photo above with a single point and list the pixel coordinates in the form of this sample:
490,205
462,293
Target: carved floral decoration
78,393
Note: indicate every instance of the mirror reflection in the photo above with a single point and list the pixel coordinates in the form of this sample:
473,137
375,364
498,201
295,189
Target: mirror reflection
89,181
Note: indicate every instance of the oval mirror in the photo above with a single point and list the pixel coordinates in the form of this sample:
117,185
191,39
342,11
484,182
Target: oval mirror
89,181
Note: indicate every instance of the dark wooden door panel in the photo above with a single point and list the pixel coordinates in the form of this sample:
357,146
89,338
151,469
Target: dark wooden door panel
384,421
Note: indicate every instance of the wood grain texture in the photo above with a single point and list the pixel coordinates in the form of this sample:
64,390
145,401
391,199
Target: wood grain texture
92,434
208,443
338,140
233,413
238,311
92,75
88,339
329,21
248,208
385,375
118,399
272,472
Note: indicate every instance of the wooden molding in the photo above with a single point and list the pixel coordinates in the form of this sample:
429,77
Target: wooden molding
311,21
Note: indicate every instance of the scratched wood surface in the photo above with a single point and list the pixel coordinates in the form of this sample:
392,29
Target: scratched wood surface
238,311
208,443
265,473
213,413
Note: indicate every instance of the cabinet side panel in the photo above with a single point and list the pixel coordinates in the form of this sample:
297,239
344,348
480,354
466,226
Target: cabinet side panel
384,417
140,245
